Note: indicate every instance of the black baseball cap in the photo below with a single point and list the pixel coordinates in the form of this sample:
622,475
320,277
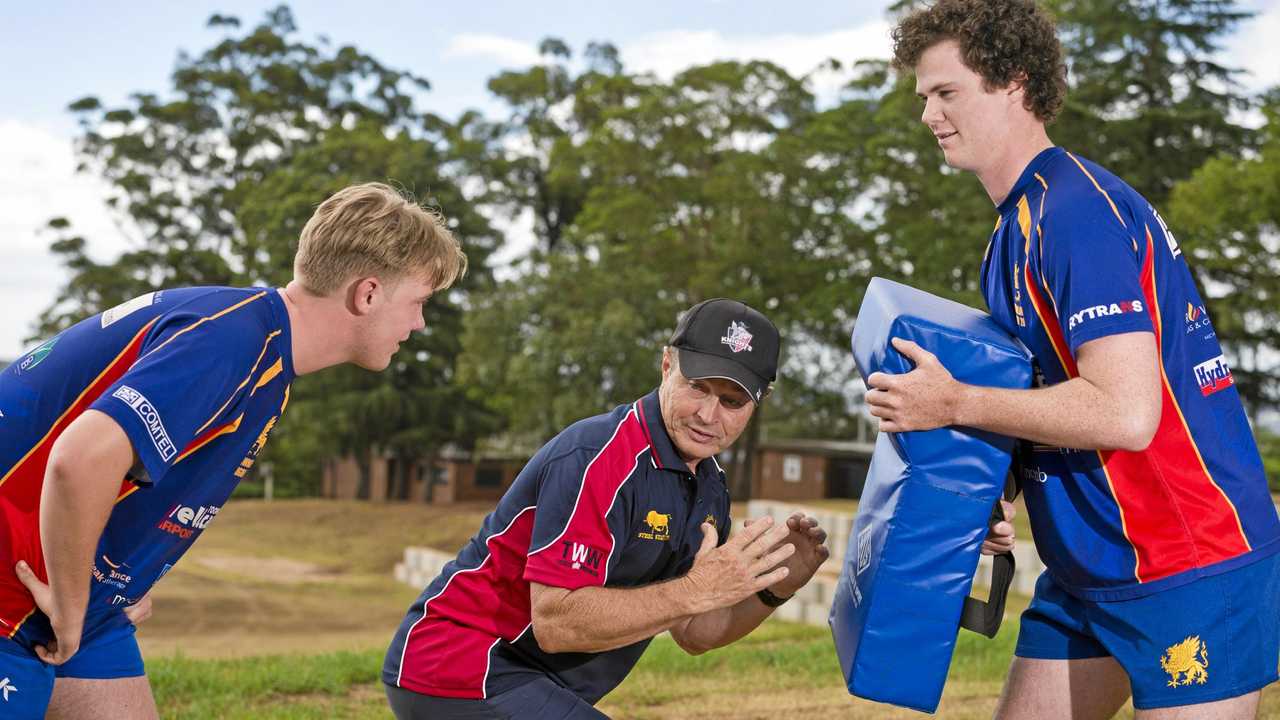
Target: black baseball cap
722,338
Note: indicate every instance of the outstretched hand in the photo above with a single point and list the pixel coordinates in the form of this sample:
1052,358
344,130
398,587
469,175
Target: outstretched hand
749,562
809,540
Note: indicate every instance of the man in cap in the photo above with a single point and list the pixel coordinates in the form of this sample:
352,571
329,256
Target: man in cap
616,530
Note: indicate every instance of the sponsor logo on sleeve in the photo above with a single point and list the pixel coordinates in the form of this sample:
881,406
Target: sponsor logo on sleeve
150,417
1174,250
1213,375
1101,311
1198,319
128,308
580,556
37,356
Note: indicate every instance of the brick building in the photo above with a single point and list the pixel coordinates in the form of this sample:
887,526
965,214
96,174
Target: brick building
793,470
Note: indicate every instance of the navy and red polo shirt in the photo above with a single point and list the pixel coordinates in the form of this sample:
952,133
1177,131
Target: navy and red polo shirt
607,502
1078,255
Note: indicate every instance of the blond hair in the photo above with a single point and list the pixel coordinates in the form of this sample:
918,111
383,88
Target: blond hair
373,230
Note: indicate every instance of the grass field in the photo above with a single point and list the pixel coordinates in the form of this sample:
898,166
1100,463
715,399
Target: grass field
283,610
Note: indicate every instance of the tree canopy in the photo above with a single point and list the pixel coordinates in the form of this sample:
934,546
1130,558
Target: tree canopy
646,195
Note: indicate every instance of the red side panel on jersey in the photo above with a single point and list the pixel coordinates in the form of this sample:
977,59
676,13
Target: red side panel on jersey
20,495
579,556
451,659
1173,514
1168,486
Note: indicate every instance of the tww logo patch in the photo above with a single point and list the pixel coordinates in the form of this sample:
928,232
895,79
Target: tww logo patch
580,556
1188,659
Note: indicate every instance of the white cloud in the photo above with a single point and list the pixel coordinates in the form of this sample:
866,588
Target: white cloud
668,53
512,53
37,182
1253,47
520,240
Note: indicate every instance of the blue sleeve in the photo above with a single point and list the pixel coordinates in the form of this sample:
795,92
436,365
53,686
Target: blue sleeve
1093,269
577,528
187,373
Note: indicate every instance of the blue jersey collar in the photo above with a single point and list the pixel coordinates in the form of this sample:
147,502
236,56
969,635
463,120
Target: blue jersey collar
1028,177
285,347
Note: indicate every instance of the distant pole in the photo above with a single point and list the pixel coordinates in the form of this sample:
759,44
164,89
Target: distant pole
267,484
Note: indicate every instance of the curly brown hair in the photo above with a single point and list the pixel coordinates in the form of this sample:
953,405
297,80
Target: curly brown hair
1001,40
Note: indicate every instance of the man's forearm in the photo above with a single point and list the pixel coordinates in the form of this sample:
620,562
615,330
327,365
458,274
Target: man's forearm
1072,414
1113,402
73,512
81,484
720,627
596,619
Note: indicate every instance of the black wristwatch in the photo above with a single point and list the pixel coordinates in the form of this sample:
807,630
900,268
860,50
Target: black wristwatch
770,599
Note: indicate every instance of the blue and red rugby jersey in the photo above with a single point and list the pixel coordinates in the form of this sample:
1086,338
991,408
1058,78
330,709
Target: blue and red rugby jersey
196,377
1078,255
607,502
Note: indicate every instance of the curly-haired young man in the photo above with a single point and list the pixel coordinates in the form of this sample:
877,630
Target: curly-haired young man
1149,504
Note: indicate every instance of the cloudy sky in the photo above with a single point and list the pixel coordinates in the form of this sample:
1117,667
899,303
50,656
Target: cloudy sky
69,50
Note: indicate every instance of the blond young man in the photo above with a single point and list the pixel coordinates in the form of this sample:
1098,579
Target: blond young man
1148,502
125,434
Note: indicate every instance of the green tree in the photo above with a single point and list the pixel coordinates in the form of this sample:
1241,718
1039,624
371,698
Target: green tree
1150,98
530,160
219,179
1269,445
1227,220
172,163
927,223
697,187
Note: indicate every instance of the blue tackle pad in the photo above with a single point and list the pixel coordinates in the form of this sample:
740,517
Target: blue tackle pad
927,504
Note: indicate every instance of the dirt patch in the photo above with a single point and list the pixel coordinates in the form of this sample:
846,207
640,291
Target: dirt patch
285,571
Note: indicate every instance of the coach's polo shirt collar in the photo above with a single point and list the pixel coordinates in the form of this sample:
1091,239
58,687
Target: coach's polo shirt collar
664,453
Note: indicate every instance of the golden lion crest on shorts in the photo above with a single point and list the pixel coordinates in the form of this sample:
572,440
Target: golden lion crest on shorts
1190,659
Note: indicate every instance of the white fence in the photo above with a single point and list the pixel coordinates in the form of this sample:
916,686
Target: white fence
813,602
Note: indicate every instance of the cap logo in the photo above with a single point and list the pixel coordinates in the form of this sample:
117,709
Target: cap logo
738,338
